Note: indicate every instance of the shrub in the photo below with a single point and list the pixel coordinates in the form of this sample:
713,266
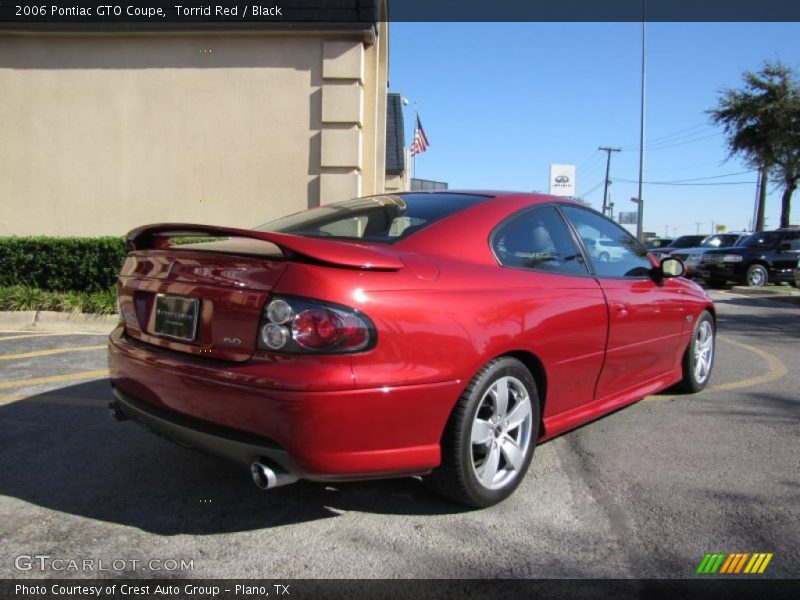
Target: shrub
23,297
60,263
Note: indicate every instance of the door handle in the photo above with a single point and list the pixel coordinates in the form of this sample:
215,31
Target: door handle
621,308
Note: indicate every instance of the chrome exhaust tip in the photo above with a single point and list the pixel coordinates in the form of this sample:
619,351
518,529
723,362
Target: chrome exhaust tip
264,477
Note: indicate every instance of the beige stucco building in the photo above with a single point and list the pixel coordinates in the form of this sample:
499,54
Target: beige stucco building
104,131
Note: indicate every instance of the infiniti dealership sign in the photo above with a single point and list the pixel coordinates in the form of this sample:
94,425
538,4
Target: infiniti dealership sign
562,180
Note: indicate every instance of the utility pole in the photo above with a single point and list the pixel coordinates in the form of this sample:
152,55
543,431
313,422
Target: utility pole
761,203
698,227
642,121
608,152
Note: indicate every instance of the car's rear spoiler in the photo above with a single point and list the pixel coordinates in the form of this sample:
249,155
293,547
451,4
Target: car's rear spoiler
343,254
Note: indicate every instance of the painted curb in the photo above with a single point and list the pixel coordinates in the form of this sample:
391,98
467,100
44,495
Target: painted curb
47,320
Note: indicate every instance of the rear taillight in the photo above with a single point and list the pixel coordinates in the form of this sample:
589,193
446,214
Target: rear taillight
290,324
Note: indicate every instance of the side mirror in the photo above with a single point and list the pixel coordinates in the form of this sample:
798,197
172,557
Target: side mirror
672,267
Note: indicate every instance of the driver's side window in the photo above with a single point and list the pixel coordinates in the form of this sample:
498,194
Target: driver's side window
614,252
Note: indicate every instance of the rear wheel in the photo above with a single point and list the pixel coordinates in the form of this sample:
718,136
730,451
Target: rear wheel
699,357
489,440
757,276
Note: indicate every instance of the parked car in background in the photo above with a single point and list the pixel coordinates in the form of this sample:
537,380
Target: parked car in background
758,259
657,243
691,257
439,334
684,241
605,249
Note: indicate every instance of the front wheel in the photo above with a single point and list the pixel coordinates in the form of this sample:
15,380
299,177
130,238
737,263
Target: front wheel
757,276
698,359
489,440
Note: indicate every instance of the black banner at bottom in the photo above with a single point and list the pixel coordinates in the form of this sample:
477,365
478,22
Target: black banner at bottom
400,589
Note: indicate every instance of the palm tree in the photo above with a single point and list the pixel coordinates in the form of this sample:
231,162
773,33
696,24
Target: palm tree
762,124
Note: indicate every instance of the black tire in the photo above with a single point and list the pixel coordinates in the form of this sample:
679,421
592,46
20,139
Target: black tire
692,382
757,276
456,478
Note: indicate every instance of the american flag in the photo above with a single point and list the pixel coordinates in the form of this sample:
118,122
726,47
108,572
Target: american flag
420,139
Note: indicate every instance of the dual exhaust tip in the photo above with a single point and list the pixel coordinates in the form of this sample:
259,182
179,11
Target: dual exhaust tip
263,476
266,478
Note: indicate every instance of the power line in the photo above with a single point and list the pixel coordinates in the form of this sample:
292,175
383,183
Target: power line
697,178
584,194
671,137
682,142
699,183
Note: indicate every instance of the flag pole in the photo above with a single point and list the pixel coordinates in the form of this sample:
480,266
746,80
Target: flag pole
414,154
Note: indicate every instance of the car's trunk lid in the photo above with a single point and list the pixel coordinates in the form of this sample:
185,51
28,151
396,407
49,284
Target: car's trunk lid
207,298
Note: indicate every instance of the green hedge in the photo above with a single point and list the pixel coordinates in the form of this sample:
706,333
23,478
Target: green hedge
22,297
61,264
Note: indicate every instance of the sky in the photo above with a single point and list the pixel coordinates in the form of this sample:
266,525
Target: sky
500,102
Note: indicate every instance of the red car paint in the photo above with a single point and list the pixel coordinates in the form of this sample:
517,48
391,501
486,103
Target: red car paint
442,307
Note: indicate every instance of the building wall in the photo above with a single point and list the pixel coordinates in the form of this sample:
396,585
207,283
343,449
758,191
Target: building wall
101,133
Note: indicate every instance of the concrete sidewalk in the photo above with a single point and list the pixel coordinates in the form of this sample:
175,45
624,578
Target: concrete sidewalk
48,320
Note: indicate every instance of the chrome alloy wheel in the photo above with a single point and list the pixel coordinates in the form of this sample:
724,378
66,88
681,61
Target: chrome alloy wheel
501,433
703,350
756,277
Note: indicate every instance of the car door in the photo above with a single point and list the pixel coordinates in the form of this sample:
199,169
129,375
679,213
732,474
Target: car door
560,308
784,258
646,318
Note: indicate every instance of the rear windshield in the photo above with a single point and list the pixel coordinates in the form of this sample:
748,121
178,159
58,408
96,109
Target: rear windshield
760,240
686,241
719,241
386,218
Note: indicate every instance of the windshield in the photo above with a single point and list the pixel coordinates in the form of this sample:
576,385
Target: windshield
760,240
376,218
718,241
686,241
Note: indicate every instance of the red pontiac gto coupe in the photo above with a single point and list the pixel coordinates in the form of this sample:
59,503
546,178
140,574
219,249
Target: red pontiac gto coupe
440,334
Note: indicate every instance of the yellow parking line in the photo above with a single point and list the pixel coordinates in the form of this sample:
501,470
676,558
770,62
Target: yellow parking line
49,352
54,379
775,370
51,334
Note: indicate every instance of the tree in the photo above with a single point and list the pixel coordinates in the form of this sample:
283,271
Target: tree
762,124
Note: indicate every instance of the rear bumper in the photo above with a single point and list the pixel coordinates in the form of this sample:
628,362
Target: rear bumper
226,410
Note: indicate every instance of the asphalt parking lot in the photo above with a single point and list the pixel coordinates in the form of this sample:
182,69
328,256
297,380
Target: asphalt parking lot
644,492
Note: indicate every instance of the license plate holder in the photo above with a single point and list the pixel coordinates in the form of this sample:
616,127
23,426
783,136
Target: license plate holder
176,317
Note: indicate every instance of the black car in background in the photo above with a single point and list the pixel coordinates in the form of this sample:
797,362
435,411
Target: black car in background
692,257
761,258
684,241
658,243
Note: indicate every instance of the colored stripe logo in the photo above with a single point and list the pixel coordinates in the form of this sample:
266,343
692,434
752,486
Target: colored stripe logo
735,563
